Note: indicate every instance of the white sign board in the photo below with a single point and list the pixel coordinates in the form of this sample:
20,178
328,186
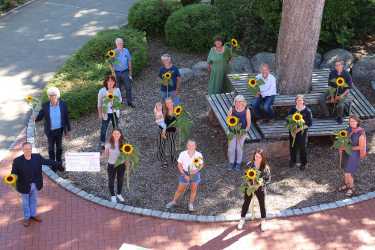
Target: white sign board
82,162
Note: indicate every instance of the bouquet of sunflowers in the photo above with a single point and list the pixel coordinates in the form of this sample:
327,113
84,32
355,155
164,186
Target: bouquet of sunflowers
128,155
254,85
342,141
251,181
10,180
234,127
183,123
295,122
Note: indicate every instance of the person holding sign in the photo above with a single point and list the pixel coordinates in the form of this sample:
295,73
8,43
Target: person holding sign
112,152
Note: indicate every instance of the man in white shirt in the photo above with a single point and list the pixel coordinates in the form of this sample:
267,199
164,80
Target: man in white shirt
190,162
263,101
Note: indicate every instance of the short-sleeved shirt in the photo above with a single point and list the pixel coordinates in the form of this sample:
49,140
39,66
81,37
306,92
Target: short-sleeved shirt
187,161
348,79
113,153
102,93
122,57
55,116
175,74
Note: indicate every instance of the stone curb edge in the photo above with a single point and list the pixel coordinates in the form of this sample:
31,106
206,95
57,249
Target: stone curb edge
11,11
67,185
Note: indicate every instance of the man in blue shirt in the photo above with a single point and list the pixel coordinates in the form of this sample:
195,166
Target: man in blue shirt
123,69
170,88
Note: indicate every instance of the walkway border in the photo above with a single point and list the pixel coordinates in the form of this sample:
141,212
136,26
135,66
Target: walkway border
11,11
69,186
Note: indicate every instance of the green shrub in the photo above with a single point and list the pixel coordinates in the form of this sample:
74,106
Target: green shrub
192,27
81,76
6,5
151,15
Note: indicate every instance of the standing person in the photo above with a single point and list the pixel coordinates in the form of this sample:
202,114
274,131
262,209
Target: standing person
218,67
352,161
258,162
301,139
172,90
110,114
124,70
235,146
342,92
263,101
56,122
167,140
111,152
28,168
189,174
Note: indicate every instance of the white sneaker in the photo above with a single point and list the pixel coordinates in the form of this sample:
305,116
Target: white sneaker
113,199
262,227
191,207
170,205
120,198
241,224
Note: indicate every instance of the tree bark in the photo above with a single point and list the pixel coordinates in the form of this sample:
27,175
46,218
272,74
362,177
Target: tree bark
297,44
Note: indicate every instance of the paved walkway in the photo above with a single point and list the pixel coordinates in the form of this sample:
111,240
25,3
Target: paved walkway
35,42
74,223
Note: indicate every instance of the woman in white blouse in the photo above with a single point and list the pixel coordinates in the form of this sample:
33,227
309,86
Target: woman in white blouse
190,162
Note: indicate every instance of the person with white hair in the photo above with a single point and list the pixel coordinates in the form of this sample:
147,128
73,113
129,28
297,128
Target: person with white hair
235,146
124,70
170,88
56,122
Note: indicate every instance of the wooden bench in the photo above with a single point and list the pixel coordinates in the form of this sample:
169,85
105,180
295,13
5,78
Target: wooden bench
220,104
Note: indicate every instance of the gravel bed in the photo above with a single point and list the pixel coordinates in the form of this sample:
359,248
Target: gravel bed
152,186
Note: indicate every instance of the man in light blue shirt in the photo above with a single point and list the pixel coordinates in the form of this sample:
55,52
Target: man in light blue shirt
55,115
123,69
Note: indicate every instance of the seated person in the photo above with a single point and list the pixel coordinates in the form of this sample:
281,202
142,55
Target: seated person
341,93
264,99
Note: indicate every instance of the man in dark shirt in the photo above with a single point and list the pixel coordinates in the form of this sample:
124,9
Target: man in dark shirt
28,168
341,93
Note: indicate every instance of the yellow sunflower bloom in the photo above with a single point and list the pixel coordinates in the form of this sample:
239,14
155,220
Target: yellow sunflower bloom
297,117
251,174
232,121
111,53
127,149
178,110
29,98
10,179
234,43
167,76
343,133
340,81
252,82
110,96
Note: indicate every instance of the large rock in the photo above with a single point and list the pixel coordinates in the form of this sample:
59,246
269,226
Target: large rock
186,74
200,68
331,56
317,60
364,70
263,57
241,64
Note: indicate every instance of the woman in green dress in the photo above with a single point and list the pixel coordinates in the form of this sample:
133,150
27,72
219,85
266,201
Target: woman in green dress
218,67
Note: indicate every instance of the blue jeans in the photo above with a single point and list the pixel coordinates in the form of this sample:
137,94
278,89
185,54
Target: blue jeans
122,78
264,104
103,130
29,202
164,95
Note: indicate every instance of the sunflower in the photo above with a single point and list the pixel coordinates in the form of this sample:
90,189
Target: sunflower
251,174
10,179
232,121
178,110
297,117
110,96
252,82
340,81
29,98
167,76
343,133
127,149
111,53
234,43
196,161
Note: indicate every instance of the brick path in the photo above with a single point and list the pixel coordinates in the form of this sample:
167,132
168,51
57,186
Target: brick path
74,223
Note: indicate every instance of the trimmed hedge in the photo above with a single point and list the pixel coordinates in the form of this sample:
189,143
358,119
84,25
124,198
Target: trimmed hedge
81,76
151,15
193,27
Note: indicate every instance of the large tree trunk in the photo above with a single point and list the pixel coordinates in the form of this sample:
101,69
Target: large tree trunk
297,44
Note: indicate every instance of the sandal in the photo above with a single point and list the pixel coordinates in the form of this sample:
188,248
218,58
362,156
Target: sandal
343,188
350,192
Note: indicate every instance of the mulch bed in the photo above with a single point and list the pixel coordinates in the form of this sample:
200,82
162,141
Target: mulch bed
153,186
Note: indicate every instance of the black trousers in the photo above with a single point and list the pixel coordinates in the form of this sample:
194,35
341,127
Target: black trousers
260,194
114,172
300,146
55,144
